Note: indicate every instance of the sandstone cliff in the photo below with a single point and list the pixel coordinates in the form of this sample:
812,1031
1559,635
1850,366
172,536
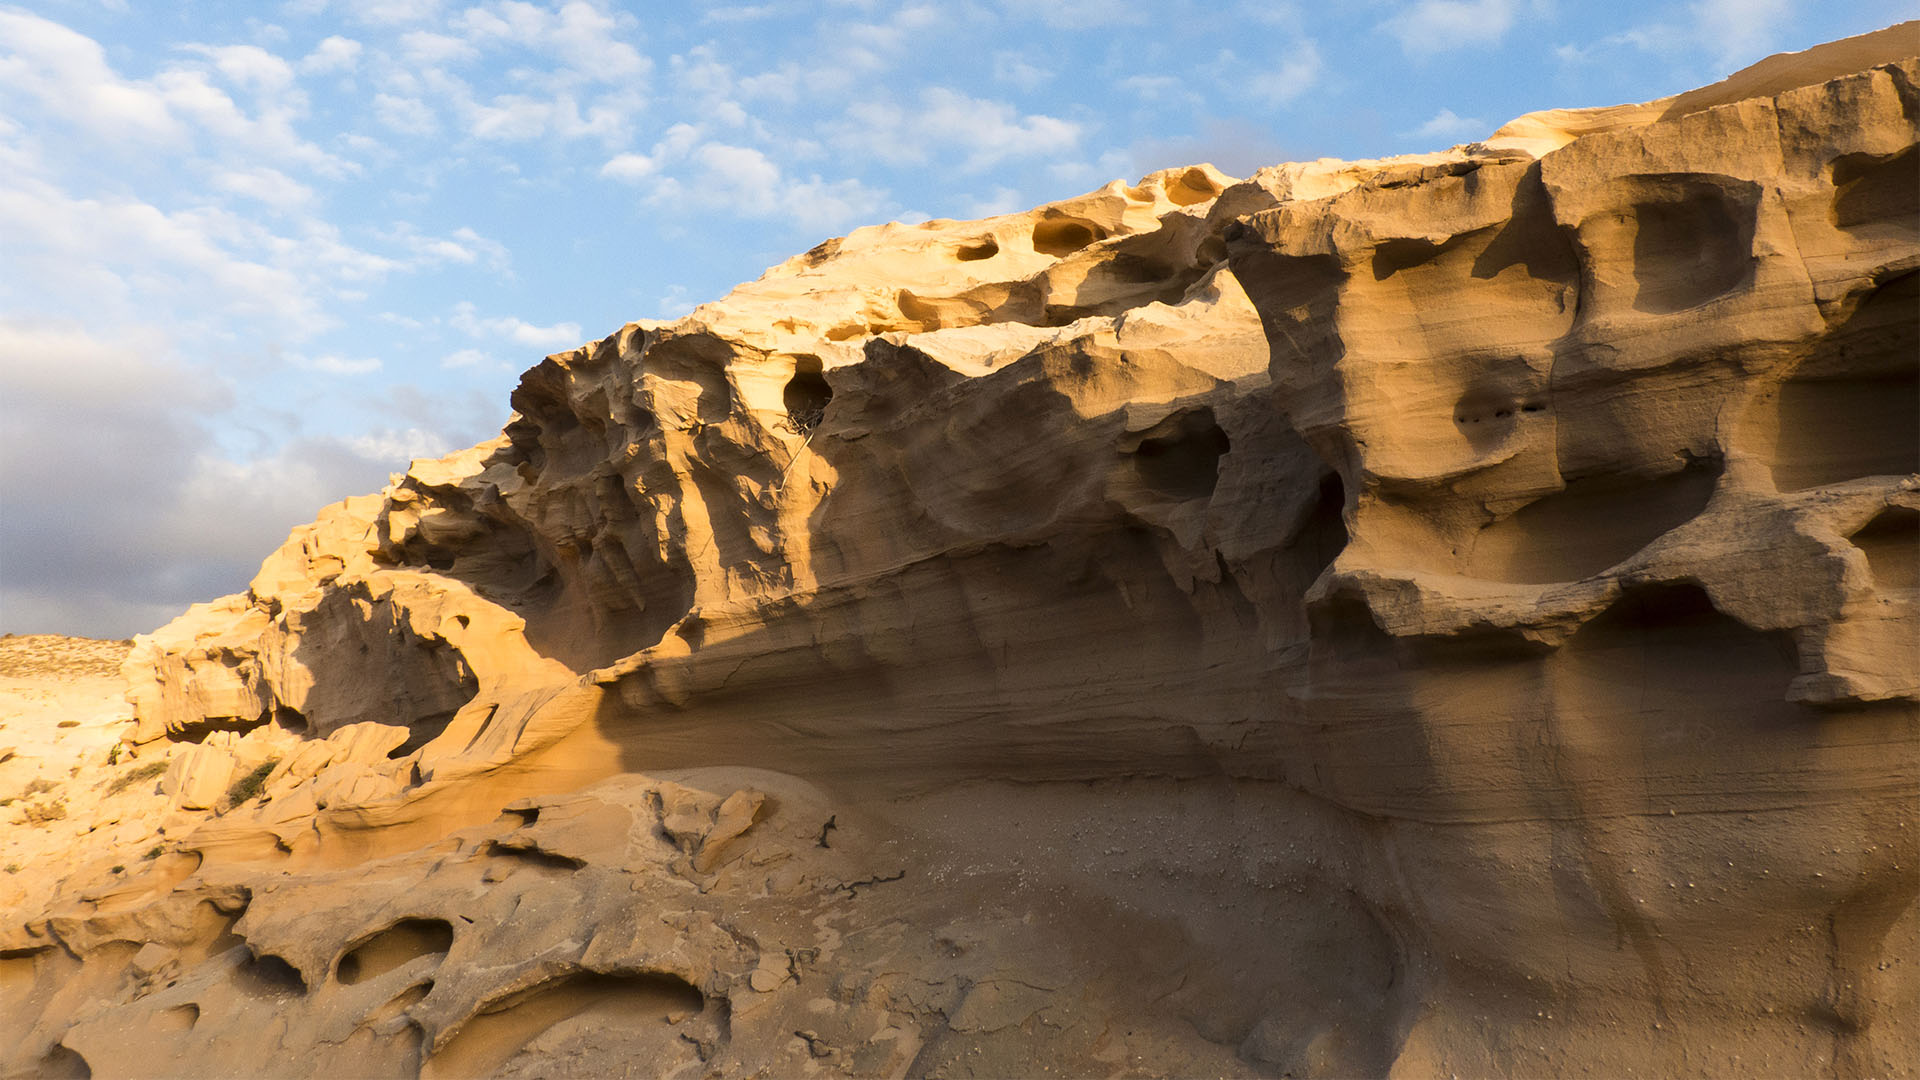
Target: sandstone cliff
1454,613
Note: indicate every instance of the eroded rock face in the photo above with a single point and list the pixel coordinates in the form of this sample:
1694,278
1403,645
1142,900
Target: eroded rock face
1445,614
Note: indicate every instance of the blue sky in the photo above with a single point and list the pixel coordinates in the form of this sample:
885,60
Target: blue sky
253,257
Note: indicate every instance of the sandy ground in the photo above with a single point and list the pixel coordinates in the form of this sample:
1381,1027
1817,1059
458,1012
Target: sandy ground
61,710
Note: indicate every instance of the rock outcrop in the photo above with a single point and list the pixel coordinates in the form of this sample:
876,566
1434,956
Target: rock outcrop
1454,613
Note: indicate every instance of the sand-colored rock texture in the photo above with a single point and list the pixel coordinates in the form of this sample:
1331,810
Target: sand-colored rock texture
1454,614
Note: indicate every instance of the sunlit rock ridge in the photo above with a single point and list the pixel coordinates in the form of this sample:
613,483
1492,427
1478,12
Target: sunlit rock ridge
1450,614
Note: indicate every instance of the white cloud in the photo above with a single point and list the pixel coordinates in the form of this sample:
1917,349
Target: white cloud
745,182
586,40
392,12
330,364
690,171
405,115
1298,71
678,141
512,116
673,303
628,167
398,446
1001,200
107,425
56,72
741,14
1738,32
463,247
1151,87
1021,71
249,67
1731,33
1114,164
66,73
986,132
1076,14
270,186
130,257
519,117
1447,125
876,46
466,319
333,54
1437,26
463,358
432,50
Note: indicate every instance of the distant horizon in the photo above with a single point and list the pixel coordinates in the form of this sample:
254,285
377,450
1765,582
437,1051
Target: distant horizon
259,257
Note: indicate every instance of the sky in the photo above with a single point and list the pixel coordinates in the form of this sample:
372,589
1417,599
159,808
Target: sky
256,256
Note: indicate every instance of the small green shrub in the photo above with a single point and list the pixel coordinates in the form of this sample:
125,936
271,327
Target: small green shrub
120,869
143,772
155,851
247,786
41,813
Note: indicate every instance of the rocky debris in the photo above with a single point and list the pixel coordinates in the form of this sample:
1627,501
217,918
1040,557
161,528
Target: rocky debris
1447,614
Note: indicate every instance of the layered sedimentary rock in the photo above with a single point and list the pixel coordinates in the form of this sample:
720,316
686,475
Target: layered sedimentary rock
1452,613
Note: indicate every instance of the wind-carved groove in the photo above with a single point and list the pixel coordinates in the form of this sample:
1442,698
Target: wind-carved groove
1692,240
397,945
497,1030
534,855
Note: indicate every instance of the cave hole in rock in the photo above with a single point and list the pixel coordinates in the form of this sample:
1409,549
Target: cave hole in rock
495,1033
1891,542
179,1018
239,725
1851,408
1647,608
1488,417
401,1002
1692,241
290,719
1190,187
534,856
923,315
18,968
1833,430
368,664
388,949
806,395
421,732
1872,189
1395,254
1062,236
266,975
1129,269
1180,456
1323,535
1589,525
986,248
63,1063
1344,632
